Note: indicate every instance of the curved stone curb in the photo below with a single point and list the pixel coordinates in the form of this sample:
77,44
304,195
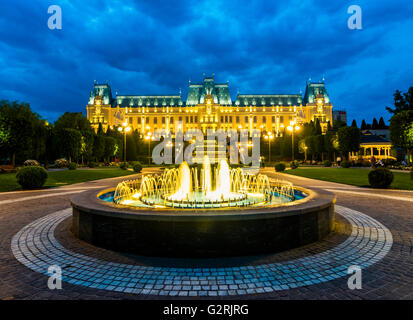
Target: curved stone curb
36,247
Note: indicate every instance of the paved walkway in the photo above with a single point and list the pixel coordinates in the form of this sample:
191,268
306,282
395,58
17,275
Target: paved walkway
30,217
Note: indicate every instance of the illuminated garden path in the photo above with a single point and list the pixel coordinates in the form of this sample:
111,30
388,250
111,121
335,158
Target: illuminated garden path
36,247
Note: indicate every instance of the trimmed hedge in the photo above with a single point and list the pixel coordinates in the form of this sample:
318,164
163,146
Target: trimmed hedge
92,164
31,177
123,166
72,166
137,167
279,166
31,163
327,163
294,164
61,163
380,178
345,164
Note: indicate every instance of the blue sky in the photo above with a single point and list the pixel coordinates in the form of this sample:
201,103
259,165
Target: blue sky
155,47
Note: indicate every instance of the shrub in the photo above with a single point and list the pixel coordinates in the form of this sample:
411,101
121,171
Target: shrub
61,163
294,164
123,166
72,166
380,178
327,163
31,177
345,164
279,166
31,163
137,167
92,164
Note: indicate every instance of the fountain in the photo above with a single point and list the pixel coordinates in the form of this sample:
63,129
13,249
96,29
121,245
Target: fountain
179,188
203,211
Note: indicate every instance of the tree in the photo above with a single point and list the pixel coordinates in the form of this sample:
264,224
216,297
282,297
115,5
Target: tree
318,127
99,147
382,125
70,143
131,154
110,148
402,102
100,129
354,123
18,128
73,120
375,124
87,146
363,125
348,140
330,143
400,125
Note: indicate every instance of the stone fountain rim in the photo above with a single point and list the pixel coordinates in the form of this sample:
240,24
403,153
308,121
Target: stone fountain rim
88,201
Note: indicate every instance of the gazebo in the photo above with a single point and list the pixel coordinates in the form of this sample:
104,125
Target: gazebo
372,145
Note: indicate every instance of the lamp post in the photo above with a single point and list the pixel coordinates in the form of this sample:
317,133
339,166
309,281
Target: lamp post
148,137
305,152
292,128
124,129
269,136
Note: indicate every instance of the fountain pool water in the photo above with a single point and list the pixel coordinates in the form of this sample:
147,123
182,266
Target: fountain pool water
203,188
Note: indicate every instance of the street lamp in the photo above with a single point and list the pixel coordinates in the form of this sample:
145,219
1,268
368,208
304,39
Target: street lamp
292,128
148,138
305,152
125,129
269,136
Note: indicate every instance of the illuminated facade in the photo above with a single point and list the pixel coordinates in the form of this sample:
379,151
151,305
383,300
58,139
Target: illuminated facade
209,106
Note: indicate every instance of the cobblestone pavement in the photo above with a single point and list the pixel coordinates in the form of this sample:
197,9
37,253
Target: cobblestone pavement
385,276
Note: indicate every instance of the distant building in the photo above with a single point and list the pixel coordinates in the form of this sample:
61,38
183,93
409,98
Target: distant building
209,106
340,115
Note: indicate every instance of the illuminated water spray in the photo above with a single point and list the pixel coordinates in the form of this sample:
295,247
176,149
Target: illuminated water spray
187,187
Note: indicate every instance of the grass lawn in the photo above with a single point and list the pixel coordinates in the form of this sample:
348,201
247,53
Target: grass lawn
65,177
355,177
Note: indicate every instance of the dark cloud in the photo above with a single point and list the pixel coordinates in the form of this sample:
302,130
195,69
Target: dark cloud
152,47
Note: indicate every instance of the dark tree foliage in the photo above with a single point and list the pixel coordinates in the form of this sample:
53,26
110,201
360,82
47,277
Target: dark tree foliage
402,101
375,124
400,124
348,140
70,143
73,120
363,125
382,125
22,132
354,123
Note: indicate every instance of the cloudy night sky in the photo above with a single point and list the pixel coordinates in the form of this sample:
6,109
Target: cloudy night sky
155,47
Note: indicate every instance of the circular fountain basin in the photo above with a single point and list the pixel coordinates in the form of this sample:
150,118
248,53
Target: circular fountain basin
203,232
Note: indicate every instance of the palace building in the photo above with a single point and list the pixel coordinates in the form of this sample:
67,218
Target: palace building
209,106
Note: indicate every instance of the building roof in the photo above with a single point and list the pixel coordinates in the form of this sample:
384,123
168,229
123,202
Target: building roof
220,93
312,90
102,90
373,139
268,99
148,101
